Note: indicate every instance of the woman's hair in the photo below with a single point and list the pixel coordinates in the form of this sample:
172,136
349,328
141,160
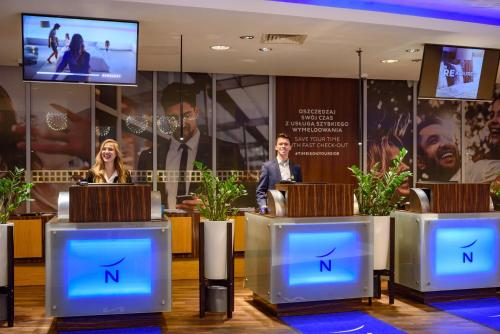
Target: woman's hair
98,167
380,151
76,43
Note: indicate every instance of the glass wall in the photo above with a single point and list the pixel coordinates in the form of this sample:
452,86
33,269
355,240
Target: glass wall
179,148
12,120
60,140
242,129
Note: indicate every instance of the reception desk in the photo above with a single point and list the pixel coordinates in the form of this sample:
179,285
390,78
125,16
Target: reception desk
107,268
447,252
310,259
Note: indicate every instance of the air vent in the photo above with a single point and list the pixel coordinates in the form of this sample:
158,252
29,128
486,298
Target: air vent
283,39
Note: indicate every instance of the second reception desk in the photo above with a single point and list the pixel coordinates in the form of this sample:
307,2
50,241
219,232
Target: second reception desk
292,260
447,251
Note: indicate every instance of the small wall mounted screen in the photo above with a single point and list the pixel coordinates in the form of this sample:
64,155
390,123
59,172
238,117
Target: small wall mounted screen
455,72
79,50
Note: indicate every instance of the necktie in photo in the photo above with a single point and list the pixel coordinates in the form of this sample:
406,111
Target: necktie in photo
181,186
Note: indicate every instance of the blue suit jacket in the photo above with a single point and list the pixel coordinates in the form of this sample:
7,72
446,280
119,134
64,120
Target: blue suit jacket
270,175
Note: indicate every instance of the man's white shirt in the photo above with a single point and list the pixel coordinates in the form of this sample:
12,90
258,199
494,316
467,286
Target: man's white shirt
284,168
174,161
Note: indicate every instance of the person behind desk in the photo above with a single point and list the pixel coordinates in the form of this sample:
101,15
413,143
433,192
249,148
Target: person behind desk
276,170
108,167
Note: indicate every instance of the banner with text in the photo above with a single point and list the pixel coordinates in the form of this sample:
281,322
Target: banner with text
321,117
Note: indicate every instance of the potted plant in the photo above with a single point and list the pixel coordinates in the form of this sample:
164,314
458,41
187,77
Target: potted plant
377,196
216,198
495,192
13,192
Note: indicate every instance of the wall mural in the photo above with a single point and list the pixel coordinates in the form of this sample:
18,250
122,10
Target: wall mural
319,114
390,125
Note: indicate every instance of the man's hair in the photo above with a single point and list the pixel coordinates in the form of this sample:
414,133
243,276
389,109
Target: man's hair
57,26
171,94
431,120
283,135
495,98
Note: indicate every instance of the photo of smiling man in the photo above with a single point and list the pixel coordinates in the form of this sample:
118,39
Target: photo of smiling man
438,142
482,139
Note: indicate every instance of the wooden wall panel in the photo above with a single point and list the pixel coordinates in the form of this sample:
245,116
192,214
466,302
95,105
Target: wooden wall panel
239,233
182,242
28,238
321,117
458,197
110,203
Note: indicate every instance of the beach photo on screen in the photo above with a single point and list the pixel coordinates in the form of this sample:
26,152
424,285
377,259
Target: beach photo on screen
64,49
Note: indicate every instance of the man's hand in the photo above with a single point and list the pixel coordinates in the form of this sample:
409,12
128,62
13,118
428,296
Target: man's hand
61,142
189,204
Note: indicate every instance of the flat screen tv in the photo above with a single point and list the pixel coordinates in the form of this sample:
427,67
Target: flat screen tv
79,50
457,72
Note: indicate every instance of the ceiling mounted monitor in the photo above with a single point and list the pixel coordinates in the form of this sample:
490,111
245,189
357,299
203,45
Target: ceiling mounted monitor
79,50
457,72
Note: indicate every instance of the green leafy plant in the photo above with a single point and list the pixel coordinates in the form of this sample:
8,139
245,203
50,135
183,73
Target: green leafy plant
217,196
495,186
376,191
13,191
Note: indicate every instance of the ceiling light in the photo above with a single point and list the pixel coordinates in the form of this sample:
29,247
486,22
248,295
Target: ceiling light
389,61
220,47
412,50
265,49
247,37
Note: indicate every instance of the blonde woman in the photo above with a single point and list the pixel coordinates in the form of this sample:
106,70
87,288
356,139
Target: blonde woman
108,167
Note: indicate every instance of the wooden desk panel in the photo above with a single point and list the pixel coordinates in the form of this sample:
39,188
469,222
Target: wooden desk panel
318,200
110,203
458,197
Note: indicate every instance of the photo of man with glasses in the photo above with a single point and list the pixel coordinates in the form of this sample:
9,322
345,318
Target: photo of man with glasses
176,154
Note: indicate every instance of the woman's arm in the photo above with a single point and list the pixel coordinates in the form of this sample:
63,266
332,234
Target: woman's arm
62,64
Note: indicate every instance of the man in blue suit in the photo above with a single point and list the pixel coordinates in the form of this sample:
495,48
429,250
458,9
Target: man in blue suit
276,170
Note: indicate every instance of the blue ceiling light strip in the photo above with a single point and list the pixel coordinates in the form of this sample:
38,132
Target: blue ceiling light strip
445,10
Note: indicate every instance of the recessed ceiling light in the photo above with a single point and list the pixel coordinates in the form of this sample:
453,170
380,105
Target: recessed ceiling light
247,37
220,47
412,50
389,61
265,49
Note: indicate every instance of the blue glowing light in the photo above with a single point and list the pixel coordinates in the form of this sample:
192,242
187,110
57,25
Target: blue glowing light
443,9
464,250
108,267
317,258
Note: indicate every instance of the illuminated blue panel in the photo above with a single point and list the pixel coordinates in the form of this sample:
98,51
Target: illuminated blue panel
108,267
316,258
464,250
442,9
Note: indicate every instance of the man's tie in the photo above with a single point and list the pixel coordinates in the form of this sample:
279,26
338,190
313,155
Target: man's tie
181,186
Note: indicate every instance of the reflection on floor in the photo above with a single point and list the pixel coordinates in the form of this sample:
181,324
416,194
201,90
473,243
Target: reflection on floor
405,315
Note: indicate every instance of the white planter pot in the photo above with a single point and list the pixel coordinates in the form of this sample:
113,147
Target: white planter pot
3,254
215,248
381,229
